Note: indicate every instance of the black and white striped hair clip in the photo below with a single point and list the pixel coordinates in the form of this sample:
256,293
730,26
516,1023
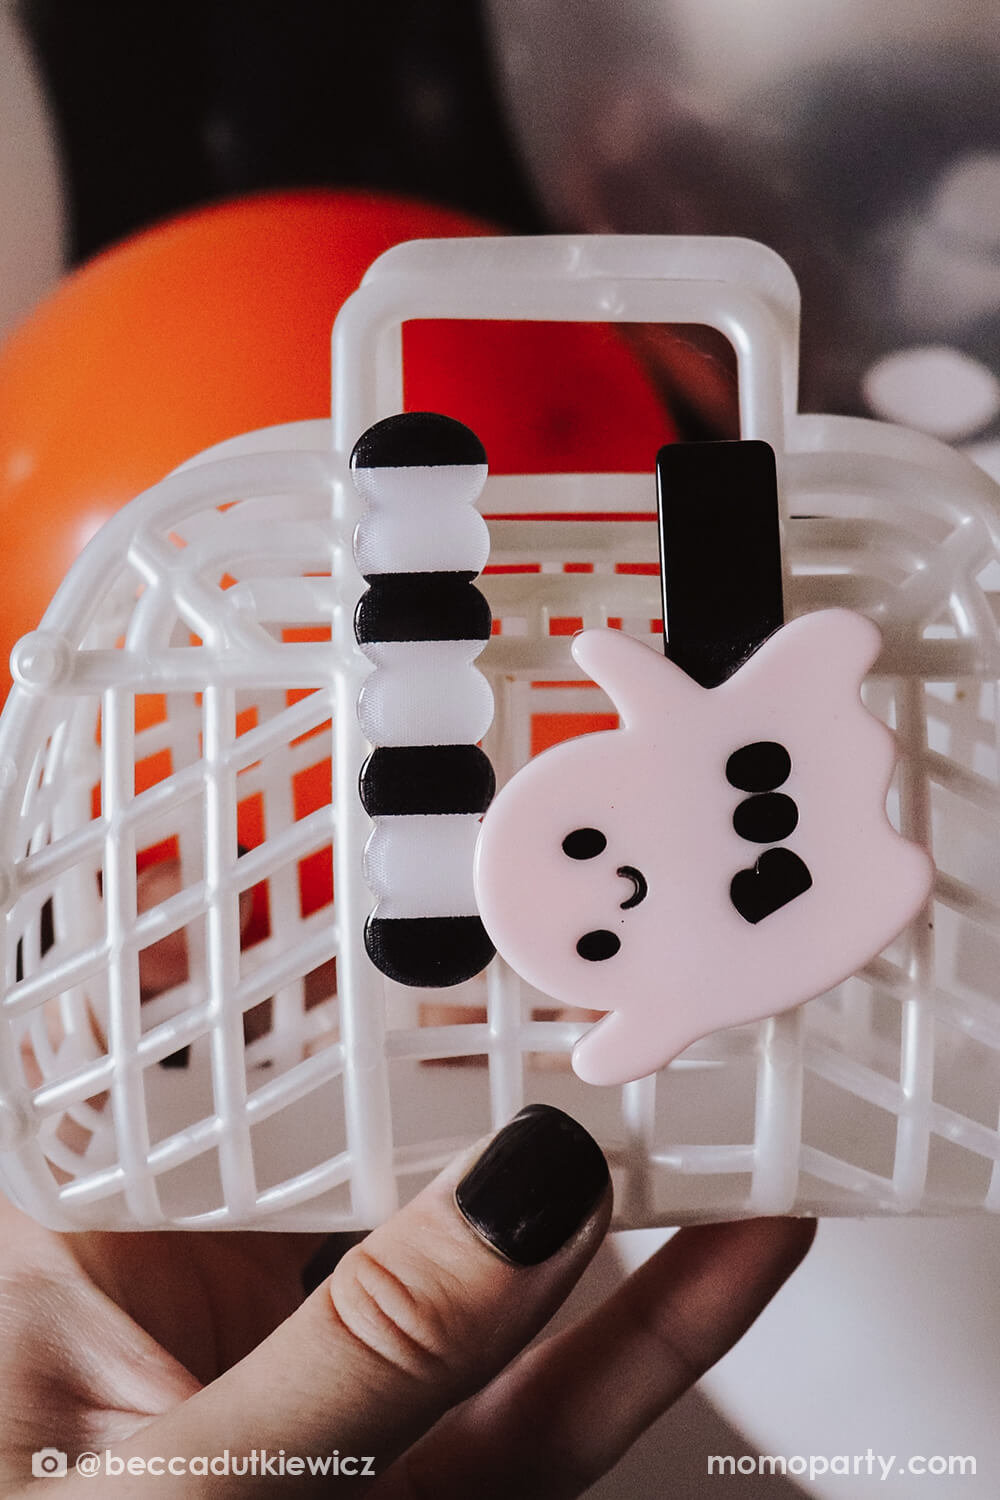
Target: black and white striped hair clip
420,545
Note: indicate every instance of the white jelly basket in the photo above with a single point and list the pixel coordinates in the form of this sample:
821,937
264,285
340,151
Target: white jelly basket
198,669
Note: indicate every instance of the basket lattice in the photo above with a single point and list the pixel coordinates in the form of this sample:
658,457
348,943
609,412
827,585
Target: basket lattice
191,1032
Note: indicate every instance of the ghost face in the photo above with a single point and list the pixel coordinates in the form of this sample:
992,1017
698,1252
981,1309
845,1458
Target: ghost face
723,856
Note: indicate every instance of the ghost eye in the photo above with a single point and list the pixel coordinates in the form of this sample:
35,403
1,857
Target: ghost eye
595,947
584,843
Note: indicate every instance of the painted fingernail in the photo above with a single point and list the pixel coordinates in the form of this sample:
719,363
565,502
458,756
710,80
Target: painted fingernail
534,1185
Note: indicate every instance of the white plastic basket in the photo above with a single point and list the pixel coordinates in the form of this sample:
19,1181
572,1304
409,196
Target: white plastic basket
198,669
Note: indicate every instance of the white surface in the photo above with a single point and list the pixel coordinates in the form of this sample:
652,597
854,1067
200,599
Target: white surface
421,866
886,1338
421,518
425,693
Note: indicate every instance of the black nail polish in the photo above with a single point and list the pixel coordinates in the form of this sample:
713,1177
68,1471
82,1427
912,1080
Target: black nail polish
534,1185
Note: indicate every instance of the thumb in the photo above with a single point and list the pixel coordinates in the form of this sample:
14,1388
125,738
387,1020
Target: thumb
427,1309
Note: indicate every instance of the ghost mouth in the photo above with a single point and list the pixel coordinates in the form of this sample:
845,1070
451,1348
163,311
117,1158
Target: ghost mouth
639,886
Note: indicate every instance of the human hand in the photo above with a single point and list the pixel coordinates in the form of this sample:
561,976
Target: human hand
411,1353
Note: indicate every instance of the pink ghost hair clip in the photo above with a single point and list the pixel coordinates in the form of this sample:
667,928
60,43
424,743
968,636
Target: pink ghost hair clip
726,853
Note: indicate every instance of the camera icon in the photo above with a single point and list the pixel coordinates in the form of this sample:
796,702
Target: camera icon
48,1463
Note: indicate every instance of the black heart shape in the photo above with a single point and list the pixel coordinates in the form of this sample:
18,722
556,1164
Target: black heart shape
777,878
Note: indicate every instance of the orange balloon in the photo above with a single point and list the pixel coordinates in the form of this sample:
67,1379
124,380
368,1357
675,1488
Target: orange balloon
207,326
218,322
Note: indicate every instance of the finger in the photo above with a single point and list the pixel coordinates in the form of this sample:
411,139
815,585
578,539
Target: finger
418,1316
189,1293
165,963
566,1412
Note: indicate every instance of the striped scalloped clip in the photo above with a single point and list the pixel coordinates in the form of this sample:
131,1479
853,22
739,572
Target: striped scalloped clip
420,545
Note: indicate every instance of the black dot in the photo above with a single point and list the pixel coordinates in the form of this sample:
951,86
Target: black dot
433,952
596,946
766,818
416,439
759,767
778,877
584,843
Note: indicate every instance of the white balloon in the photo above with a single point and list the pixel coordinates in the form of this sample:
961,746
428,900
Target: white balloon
861,141
32,210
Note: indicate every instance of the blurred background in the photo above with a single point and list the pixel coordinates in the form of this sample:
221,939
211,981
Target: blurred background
862,142
159,109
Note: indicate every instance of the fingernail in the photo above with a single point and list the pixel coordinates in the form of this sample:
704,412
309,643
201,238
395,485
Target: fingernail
534,1185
